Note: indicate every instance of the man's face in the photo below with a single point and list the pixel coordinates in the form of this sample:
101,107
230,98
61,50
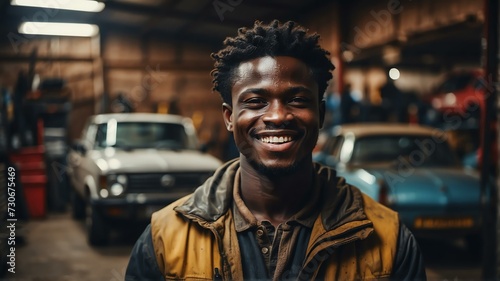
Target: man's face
276,114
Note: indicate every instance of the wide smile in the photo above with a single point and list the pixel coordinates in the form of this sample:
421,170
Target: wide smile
278,141
275,139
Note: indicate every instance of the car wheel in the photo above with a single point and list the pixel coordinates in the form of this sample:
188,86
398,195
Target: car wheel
97,230
78,206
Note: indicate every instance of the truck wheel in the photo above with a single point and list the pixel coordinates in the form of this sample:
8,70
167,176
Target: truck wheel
78,206
97,230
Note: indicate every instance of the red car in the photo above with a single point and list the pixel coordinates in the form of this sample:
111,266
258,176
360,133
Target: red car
462,93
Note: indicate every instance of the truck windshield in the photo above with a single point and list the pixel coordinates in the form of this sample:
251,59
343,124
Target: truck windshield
135,135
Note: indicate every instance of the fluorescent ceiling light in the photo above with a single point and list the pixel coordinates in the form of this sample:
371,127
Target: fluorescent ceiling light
74,5
59,29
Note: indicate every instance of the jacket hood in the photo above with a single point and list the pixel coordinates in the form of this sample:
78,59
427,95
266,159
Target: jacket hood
214,198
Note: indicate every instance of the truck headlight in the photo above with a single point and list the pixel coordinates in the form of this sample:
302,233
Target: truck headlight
112,185
116,189
121,179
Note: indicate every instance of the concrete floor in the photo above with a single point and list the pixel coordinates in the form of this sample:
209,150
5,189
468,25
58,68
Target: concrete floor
56,249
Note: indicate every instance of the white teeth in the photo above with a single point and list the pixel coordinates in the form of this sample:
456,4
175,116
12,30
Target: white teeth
276,140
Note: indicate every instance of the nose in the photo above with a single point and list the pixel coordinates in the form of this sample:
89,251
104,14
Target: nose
277,113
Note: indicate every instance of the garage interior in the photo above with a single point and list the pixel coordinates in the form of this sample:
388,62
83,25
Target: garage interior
155,54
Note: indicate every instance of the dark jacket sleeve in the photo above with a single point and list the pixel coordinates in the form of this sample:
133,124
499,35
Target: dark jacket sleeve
142,264
409,263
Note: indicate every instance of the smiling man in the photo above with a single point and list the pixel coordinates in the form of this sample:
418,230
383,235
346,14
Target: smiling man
275,110
273,214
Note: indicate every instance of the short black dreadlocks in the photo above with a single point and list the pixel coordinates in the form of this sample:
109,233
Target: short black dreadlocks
274,39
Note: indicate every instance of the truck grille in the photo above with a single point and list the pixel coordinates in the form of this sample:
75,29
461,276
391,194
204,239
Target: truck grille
153,182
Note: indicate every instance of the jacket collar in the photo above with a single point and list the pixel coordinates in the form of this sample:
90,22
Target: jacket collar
341,202
214,198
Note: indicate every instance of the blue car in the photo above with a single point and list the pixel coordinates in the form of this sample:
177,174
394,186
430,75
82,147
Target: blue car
412,170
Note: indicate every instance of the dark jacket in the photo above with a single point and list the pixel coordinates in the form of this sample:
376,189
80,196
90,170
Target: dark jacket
353,238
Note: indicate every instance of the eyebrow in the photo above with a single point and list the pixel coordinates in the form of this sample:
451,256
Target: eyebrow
291,90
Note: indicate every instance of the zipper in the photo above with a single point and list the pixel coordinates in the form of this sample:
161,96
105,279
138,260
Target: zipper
202,223
217,275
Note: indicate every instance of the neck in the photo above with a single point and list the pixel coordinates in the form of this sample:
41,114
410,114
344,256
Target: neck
275,198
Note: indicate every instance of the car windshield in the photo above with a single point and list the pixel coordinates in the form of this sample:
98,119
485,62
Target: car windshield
134,135
414,150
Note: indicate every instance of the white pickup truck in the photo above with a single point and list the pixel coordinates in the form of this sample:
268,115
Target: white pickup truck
128,165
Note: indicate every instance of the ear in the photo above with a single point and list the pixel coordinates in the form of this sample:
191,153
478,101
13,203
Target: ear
227,114
321,113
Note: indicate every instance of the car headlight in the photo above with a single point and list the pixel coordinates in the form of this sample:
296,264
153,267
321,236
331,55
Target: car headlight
112,185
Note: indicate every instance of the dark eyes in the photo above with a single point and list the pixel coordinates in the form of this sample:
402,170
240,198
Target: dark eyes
255,101
300,100
296,101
